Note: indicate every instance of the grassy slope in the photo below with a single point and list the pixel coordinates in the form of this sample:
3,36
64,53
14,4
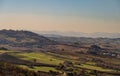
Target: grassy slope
35,68
40,57
43,58
49,59
94,67
5,51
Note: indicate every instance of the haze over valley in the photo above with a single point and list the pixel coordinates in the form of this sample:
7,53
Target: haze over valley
78,34
59,38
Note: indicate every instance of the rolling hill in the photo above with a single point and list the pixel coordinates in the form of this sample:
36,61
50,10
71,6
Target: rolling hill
15,38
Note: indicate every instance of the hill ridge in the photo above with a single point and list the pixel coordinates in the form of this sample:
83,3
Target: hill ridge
21,38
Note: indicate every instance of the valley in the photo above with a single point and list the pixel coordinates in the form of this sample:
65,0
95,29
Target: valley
29,51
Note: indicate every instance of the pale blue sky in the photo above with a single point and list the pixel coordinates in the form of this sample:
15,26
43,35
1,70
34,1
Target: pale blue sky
61,15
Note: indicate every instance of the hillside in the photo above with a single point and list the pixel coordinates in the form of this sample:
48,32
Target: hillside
35,55
23,39
7,69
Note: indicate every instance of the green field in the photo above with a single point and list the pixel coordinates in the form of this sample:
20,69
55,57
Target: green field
5,51
40,57
91,67
35,68
51,58
48,59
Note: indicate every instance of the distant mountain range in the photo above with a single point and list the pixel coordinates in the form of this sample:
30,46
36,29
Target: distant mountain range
78,34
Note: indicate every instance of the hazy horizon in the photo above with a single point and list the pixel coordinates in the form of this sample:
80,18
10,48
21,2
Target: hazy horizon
87,16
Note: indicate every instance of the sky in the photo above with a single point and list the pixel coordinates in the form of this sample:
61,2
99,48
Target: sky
86,16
